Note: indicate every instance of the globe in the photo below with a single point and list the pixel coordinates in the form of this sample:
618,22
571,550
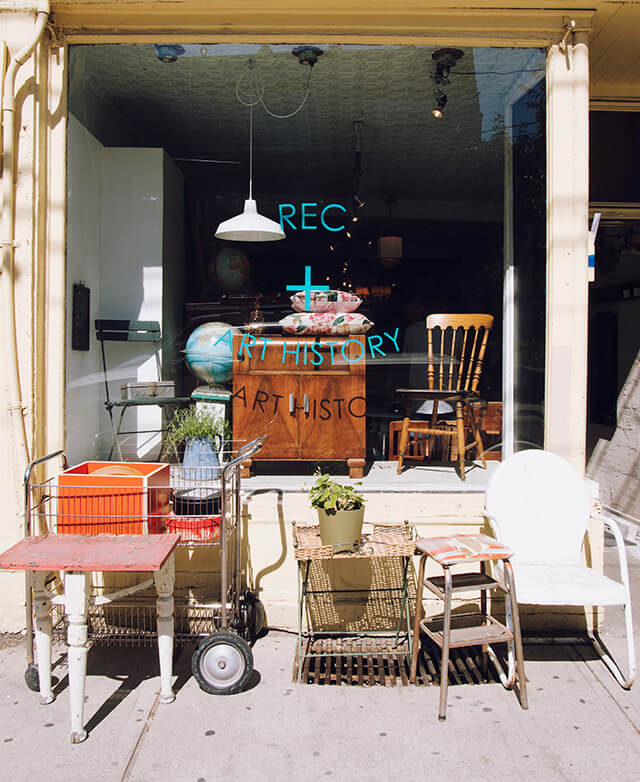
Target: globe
232,268
209,352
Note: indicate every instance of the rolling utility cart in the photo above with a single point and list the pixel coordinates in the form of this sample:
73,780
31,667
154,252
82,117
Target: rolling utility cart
200,505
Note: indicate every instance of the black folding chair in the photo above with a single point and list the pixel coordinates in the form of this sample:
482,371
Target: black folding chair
131,331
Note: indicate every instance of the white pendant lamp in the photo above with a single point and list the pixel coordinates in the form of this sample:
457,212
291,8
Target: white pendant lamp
250,226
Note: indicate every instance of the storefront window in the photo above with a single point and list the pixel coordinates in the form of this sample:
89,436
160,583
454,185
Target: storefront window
402,212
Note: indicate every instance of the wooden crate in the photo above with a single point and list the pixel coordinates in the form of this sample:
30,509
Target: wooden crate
89,502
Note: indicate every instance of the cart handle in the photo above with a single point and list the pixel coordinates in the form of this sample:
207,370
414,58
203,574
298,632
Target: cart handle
246,452
29,470
27,482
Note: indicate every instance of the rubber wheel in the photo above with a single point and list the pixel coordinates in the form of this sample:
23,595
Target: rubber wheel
32,678
252,617
260,619
222,663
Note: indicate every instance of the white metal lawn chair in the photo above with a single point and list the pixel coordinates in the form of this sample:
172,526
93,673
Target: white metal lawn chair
539,507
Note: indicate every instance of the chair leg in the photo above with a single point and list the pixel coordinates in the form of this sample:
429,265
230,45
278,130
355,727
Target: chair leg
402,444
416,622
484,612
517,637
601,649
432,438
475,432
460,437
446,637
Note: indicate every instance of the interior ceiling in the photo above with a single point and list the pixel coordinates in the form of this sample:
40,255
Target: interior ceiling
190,108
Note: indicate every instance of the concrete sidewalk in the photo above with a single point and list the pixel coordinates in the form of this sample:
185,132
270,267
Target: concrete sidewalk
580,725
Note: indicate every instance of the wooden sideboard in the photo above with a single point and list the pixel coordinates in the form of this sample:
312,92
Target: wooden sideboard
308,394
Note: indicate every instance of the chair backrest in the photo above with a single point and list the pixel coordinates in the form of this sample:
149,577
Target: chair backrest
456,345
542,507
128,330
109,330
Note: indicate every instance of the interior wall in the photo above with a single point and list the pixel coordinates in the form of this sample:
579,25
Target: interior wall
120,243
173,255
85,391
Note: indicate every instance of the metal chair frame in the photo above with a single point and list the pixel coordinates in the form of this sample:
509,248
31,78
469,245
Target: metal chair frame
109,330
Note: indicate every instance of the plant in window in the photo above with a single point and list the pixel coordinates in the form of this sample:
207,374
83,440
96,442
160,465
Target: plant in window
340,512
201,434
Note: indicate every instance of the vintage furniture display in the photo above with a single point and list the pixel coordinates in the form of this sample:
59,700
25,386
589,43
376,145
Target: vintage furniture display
456,345
538,504
475,629
308,394
212,606
77,556
134,395
383,542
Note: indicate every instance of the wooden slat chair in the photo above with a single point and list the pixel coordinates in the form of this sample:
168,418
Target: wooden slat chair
456,346
109,330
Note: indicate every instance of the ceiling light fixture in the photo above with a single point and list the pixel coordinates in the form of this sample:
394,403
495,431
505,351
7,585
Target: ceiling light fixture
389,246
250,226
168,52
445,60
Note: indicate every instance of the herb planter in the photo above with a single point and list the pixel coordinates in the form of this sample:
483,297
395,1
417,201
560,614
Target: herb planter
343,528
201,452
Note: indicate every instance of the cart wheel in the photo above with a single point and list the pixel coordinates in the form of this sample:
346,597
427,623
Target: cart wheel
32,678
222,663
252,617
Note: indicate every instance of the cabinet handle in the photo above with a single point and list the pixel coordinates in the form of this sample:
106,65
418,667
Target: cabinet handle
291,405
306,404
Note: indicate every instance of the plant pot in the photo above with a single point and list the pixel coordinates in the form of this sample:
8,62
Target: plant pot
201,455
341,529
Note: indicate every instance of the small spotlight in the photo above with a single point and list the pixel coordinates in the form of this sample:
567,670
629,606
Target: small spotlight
167,52
348,234
354,219
332,248
438,111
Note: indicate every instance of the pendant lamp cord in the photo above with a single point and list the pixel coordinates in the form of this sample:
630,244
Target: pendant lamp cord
251,151
252,93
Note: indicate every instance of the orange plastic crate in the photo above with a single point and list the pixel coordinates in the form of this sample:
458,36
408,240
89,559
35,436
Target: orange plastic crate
134,504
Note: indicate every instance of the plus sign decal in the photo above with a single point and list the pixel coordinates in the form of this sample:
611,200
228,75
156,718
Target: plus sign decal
307,288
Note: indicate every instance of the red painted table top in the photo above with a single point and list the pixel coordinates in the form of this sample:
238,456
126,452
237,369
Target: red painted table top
90,552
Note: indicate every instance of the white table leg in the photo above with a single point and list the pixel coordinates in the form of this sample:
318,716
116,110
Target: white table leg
164,579
76,608
42,609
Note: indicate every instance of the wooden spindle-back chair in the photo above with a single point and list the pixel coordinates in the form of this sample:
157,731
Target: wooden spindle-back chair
456,347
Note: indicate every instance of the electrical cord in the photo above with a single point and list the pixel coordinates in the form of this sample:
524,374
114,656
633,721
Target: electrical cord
255,95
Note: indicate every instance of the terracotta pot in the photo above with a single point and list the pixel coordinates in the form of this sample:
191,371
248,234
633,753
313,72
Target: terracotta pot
342,528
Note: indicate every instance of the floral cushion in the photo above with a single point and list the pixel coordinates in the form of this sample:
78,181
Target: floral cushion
326,301
325,323
463,548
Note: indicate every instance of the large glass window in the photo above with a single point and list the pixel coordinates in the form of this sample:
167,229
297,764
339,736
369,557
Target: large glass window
414,187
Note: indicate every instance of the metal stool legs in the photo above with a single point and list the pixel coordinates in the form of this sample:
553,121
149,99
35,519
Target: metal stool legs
489,630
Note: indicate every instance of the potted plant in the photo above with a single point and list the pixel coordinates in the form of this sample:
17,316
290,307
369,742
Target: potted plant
201,434
340,512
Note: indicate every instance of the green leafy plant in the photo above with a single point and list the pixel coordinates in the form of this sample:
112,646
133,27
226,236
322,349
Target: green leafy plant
332,496
197,424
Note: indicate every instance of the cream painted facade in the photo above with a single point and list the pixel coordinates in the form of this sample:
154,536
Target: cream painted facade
33,246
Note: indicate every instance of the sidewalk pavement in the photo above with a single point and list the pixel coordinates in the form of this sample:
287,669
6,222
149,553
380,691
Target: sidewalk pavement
580,724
